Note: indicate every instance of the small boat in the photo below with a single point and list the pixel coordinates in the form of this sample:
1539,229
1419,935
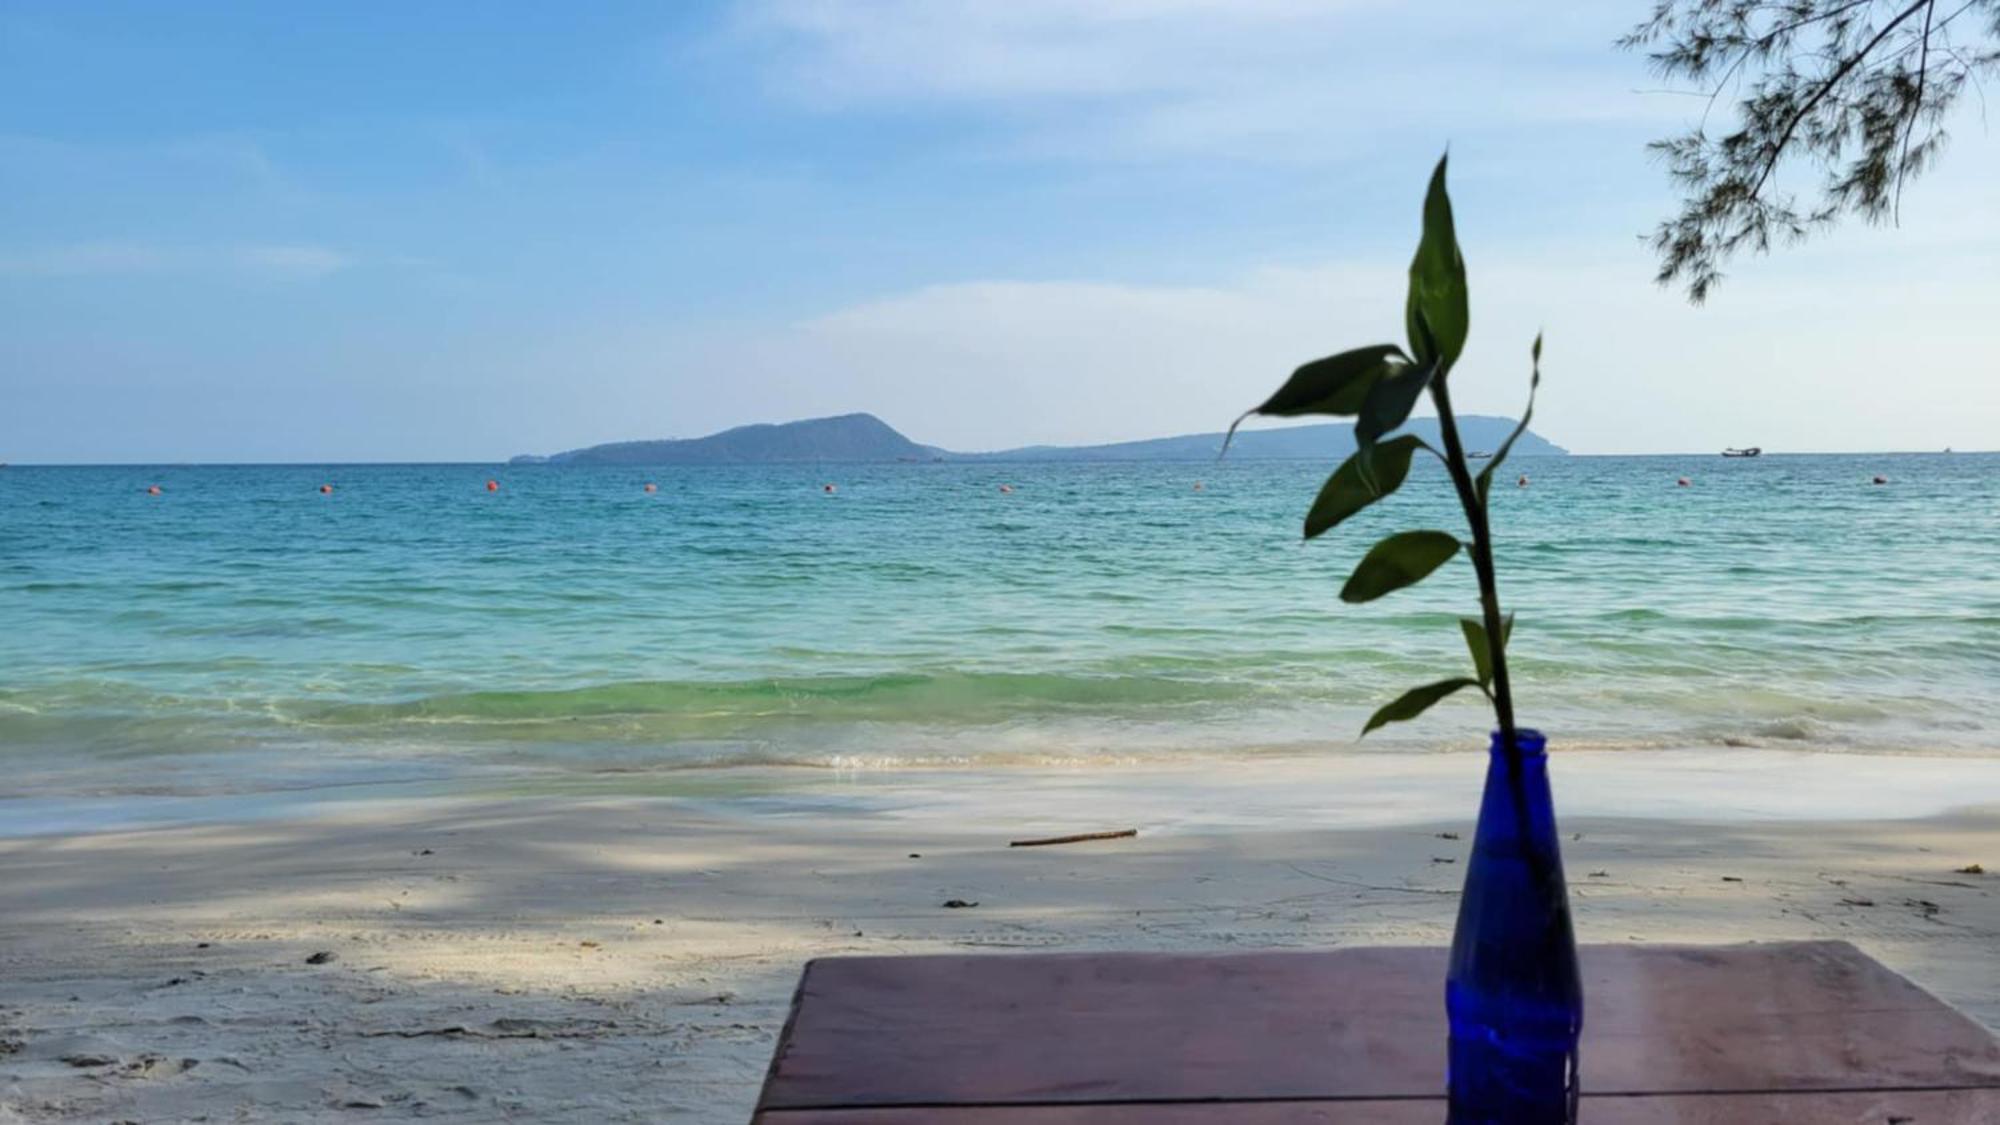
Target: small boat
1752,451
1477,455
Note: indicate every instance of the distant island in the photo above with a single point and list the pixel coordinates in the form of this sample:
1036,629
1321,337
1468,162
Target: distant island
864,437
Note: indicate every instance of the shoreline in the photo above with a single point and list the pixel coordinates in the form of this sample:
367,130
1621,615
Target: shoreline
594,957
1253,792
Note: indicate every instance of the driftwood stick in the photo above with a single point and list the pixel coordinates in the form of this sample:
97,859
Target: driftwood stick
1076,839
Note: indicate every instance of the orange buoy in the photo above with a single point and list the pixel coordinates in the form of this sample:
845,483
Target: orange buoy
1006,488
651,487
1881,480
1683,482
325,489
152,490
492,486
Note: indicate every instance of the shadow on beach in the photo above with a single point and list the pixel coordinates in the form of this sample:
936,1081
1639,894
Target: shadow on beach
613,959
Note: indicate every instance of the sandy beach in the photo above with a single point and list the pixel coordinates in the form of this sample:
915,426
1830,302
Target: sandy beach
583,957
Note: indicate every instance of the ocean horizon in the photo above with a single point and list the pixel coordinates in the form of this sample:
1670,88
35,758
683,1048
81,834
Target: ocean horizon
1015,457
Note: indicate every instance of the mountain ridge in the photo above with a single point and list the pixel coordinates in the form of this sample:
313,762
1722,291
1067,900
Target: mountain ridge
862,437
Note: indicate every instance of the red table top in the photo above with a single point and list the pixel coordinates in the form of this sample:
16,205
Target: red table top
1791,1032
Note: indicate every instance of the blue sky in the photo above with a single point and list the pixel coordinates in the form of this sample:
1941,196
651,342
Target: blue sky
395,231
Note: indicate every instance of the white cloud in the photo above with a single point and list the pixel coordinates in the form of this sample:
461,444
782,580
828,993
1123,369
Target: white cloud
1028,49
86,258
980,359
305,261
1788,362
1240,78
115,258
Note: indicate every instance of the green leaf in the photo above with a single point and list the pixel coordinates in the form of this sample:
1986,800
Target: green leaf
1437,282
1333,385
1415,702
1371,473
1485,480
1390,401
1403,559
1336,385
1475,639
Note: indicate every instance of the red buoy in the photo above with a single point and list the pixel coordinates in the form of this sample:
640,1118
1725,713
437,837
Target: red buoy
1198,486
651,487
152,490
1006,488
325,489
492,486
829,487
1881,480
1523,482
1683,482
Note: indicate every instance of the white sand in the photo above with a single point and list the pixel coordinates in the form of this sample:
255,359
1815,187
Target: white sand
579,958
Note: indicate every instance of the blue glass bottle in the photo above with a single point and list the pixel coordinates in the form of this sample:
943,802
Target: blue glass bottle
1513,993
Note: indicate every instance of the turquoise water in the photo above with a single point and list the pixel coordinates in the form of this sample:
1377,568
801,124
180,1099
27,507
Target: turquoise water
242,632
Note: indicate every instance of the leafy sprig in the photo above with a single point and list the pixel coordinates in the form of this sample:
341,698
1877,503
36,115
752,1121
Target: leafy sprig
1378,386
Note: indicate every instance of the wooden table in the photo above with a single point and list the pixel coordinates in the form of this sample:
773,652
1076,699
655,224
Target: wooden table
1813,1033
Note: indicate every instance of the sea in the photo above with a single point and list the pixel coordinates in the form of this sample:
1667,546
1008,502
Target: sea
282,629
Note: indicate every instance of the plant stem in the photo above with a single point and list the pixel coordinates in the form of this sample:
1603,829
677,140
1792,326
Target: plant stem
1482,564
1542,867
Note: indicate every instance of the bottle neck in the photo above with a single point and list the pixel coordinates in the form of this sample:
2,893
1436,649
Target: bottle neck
1529,744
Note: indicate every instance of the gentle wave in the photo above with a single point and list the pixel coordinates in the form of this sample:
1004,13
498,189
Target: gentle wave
967,698
1096,613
